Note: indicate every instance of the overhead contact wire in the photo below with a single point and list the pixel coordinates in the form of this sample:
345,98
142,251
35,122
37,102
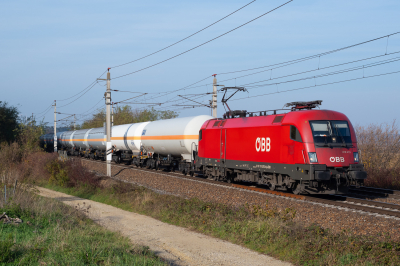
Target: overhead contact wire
313,56
318,85
83,89
184,38
204,42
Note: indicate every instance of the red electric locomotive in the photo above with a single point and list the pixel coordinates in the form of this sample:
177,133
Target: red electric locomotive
304,150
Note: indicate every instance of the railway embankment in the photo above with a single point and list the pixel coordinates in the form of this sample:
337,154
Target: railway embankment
337,219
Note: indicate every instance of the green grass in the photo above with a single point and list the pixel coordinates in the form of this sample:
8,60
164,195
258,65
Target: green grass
53,233
259,228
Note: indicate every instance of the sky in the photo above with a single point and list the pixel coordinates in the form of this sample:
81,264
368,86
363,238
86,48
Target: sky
53,50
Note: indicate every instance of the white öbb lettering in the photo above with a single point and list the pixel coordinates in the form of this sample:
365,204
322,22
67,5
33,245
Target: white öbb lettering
337,159
263,144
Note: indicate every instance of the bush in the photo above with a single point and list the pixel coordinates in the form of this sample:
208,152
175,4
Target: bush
58,173
379,147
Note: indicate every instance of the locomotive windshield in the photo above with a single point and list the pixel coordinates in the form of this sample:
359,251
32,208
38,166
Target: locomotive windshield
330,133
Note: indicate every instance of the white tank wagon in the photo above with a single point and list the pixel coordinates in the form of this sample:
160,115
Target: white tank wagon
175,137
126,141
78,142
171,142
65,139
96,143
89,143
167,143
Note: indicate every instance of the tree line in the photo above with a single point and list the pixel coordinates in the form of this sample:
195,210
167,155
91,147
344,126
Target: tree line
126,115
26,130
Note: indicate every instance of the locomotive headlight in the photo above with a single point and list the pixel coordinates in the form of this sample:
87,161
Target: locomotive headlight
313,157
355,157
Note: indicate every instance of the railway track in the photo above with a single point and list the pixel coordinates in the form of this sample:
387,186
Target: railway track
375,192
352,203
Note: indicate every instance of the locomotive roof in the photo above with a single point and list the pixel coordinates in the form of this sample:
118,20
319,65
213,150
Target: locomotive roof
299,114
299,118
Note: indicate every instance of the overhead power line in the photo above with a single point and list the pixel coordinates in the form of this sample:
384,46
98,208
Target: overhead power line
282,64
313,56
308,71
204,42
169,103
299,60
45,109
92,106
360,67
383,62
42,116
184,38
79,96
318,85
95,81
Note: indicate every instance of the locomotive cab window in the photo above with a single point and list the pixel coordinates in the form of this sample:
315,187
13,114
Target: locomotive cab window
331,132
200,134
216,123
295,134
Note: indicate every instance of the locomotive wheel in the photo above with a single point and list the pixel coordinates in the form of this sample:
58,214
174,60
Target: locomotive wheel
297,190
272,187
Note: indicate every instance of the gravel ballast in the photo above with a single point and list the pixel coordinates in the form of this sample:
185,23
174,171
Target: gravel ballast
327,216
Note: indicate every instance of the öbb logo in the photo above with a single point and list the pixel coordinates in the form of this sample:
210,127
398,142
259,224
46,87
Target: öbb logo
337,159
263,144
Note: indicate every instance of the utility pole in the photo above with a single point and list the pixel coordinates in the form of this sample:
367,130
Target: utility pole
108,124
55,127
109,146
74,122
214,96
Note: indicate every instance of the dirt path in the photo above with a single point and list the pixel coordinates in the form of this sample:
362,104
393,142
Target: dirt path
177,245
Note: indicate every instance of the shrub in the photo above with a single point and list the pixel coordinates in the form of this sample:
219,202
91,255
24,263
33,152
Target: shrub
379,147
58,173
80,176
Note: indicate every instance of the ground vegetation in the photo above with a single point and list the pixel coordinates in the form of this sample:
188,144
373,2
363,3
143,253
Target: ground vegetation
260,228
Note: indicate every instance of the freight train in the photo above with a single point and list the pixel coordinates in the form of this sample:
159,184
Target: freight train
304,151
